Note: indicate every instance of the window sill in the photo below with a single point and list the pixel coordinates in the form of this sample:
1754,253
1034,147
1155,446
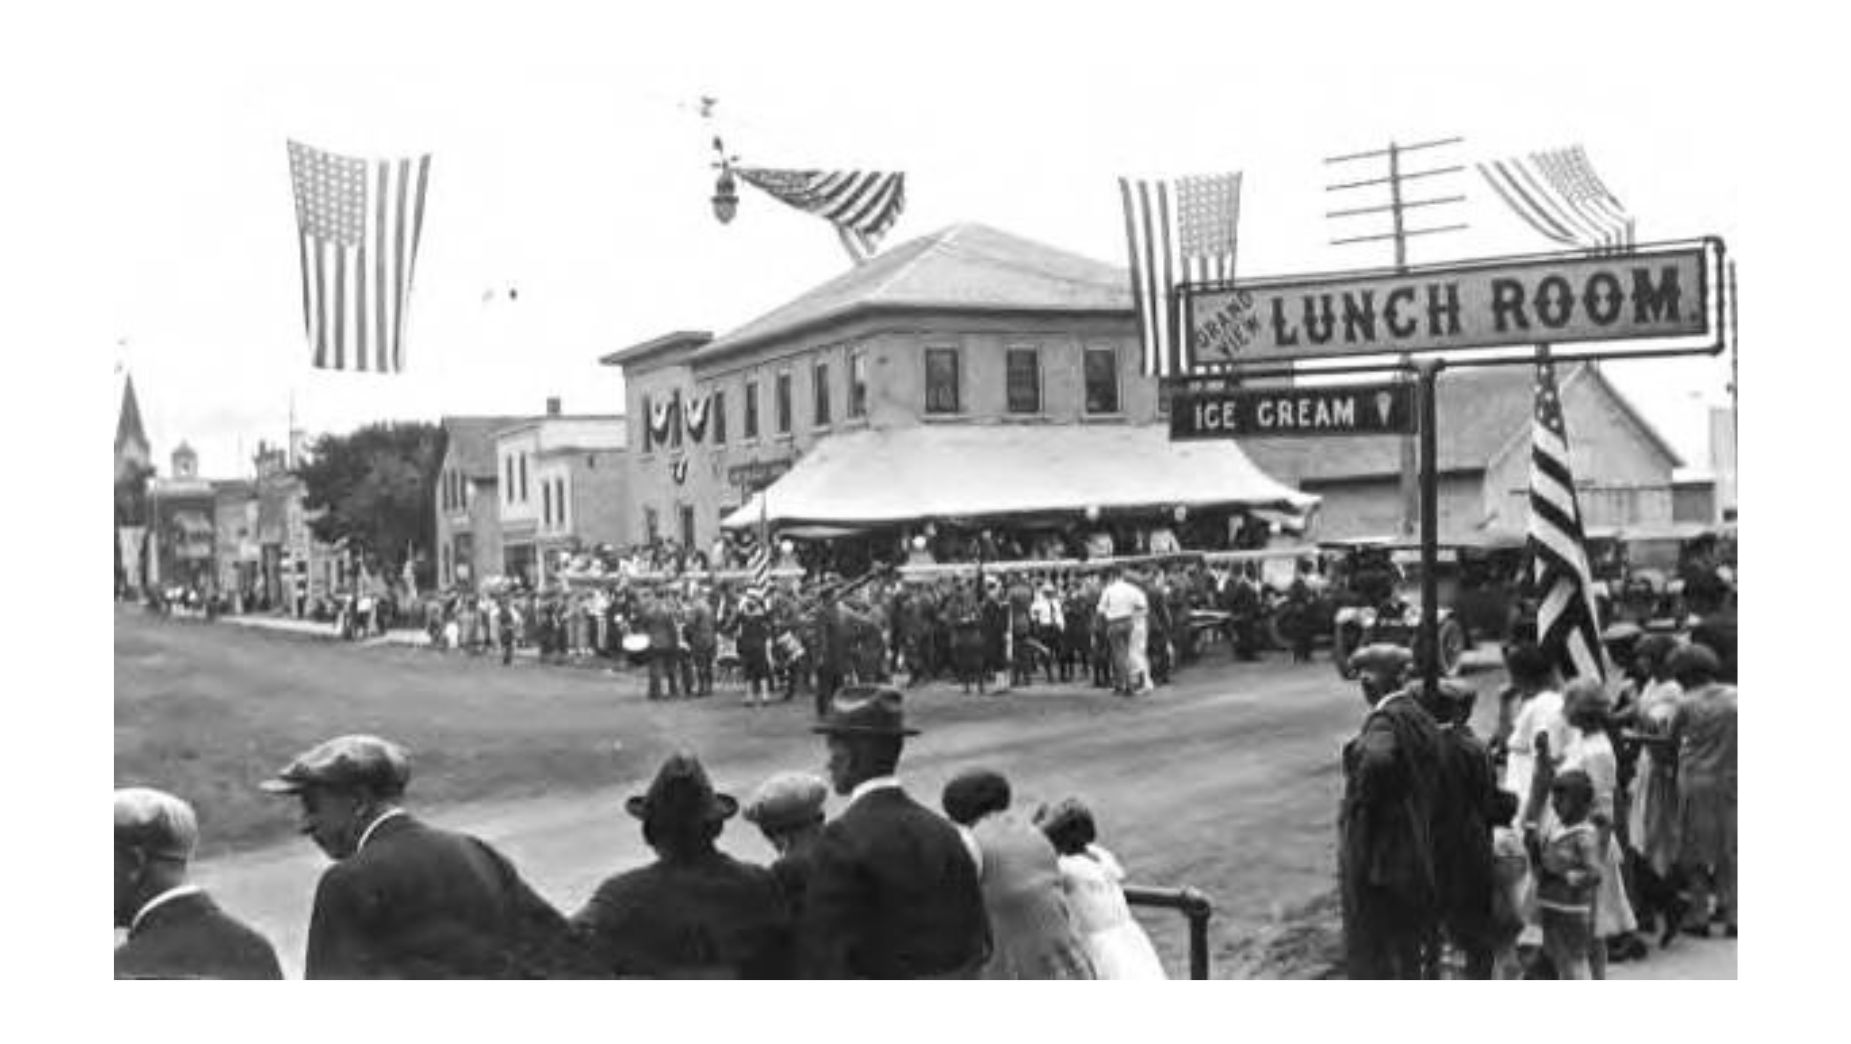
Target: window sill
1102,418
944,418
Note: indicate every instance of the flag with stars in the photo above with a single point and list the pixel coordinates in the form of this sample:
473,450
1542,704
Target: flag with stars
1557,193
1181,231
358,225
1567,625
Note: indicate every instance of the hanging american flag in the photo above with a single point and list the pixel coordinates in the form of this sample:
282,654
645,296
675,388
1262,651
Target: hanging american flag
760,567
358,225
1567,626
862,205
1558,194
1182,231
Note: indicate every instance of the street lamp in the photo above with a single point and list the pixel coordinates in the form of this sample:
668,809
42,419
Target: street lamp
725,190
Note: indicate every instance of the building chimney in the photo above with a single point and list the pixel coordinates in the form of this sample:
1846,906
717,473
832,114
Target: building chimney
552,406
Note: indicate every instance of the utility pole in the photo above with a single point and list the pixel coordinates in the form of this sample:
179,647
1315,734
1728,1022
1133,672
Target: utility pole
1396,208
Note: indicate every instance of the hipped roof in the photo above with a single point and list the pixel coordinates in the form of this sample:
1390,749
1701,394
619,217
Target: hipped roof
975,471
965,267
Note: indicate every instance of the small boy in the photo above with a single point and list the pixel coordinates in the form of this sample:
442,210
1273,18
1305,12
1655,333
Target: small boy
1569,864
1511,889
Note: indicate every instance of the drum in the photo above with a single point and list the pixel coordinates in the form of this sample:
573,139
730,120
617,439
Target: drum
636,644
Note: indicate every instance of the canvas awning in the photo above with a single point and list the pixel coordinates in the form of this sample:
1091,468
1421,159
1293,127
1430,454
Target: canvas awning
872,478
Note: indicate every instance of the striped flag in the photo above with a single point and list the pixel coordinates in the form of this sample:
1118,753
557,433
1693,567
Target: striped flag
1567,626
1181,231
358,226
760,566
1558,194
862,205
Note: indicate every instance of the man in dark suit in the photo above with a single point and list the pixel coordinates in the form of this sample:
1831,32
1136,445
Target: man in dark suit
893,890
404,900
1464,811
1391,776
664,630
696,912
175,930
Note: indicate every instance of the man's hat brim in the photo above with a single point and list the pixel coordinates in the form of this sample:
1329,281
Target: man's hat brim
724,807
831,729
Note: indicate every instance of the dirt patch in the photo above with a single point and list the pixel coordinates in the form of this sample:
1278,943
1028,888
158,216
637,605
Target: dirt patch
1305,943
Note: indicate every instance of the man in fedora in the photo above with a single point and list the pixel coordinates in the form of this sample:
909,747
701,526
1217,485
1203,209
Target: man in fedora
893,890
696,912
175,930
404,900
1391,773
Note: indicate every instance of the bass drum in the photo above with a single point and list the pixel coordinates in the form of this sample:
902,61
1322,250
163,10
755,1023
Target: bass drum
636,647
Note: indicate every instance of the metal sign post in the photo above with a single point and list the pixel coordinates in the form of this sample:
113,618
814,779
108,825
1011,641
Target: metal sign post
1428,642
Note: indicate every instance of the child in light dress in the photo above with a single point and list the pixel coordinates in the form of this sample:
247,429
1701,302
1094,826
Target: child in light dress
1092,880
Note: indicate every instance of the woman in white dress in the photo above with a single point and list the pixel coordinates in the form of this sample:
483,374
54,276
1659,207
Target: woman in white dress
1092,880
1591,751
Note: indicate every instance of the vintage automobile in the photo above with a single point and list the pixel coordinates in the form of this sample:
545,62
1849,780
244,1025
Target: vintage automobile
1375,595
1641,573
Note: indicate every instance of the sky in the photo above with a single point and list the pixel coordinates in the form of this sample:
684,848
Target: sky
570,162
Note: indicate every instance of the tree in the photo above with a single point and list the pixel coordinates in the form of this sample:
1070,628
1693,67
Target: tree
376,485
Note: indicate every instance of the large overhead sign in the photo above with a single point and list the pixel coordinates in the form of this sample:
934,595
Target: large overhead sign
1561,299
1350,409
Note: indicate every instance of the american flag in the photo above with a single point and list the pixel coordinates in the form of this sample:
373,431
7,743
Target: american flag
1558,194
760,566
1182,231
1567,626
862,205
358,226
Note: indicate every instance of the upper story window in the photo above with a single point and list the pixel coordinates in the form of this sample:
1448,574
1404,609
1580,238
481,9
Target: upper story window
649,437
820,385
941,380
675,421
716,417
546,502
1101,380
858,384
1022,375
751,407
559,502
524,499
508,484
784,403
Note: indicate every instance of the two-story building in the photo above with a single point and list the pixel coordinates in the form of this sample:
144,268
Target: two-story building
466,501
966,374
562,488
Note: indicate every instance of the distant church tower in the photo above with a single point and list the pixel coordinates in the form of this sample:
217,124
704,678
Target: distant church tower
186,462
132,450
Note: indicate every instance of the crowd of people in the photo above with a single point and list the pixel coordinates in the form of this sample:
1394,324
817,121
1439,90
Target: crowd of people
1128,628
887,888
1596,813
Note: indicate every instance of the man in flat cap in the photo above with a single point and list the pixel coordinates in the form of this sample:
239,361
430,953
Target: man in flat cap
893,891
788,810
1391,780
404,900
175,930
696,912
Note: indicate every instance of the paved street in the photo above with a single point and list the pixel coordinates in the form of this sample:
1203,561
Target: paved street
1227,781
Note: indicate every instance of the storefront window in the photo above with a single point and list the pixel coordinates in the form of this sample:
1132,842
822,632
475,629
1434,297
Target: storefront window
941,373
1101,380
820,384
1023,376
784,403
858,384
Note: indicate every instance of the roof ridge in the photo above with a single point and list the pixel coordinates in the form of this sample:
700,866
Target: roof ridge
935,242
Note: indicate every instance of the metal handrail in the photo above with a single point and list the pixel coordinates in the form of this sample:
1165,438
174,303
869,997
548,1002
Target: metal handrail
1191,904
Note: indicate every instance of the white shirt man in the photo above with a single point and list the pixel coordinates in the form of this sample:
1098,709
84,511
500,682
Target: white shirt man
1122,600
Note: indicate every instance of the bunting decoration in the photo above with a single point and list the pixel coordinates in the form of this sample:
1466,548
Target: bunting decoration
661,414
1558,194
862,205
1181,231
697,413
358,226
1567,624
679,470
